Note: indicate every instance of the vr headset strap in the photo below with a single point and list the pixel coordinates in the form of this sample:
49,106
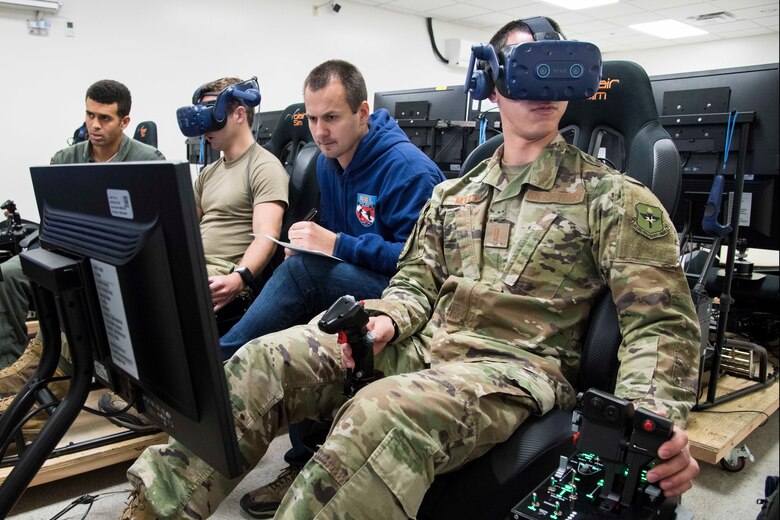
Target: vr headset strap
541,28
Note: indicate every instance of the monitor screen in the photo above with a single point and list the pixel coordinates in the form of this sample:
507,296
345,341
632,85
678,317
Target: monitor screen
264,125
433,103
745,89
133,227
433,120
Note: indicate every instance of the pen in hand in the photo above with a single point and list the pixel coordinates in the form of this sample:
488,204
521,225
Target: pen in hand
310,215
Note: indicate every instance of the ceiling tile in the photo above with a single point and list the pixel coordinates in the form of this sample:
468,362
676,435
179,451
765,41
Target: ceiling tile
738,4
417,5
486,20
566,20
591,27
457,12
747,32
684,11
761,14
537,9
741,25
613,10
501,5
606,24
637,18
652,5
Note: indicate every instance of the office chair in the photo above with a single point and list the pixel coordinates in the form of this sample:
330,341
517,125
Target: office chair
146,132
619,124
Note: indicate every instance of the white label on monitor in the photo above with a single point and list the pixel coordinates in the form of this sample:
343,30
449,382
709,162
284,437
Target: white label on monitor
119,203
114,317
745,207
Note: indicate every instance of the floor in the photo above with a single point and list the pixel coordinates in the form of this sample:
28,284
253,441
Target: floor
718,494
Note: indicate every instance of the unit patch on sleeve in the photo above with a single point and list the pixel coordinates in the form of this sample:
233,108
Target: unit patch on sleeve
365,210
649,221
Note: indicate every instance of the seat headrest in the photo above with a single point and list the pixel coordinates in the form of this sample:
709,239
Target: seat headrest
623,105
146,132
291,133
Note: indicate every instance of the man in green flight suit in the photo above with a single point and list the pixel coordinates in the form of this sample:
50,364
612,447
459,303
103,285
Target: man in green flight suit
107,115
480,329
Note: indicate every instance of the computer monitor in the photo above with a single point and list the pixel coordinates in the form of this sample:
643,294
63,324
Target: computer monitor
432,103
265,123
745,89
133,228
433,119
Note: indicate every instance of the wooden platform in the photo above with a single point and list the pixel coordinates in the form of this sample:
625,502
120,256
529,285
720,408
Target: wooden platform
87,427
713,435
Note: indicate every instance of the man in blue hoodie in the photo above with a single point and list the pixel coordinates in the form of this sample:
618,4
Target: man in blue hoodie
373,183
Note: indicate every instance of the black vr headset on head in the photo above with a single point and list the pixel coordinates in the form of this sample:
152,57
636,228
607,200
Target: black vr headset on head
199,118
547,69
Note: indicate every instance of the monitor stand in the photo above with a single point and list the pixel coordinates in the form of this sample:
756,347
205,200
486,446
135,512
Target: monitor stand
58,292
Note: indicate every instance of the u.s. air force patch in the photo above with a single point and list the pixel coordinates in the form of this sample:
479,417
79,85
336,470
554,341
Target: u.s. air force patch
649,221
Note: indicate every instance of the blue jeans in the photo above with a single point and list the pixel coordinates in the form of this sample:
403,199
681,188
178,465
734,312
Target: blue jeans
300,288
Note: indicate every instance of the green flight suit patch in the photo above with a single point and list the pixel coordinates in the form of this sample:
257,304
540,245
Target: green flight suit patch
649,221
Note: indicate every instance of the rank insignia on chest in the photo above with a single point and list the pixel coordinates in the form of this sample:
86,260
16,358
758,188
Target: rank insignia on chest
366,209
497,234
649,221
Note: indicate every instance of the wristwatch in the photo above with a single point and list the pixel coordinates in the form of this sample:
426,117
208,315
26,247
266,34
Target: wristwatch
245,274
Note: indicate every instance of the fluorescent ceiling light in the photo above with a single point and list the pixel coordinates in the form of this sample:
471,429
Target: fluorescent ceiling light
579,4
668,29
36,5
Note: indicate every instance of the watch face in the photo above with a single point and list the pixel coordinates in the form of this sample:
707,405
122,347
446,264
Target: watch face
246,274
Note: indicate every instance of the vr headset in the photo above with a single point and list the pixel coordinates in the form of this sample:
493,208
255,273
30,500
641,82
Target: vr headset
199,118
547,69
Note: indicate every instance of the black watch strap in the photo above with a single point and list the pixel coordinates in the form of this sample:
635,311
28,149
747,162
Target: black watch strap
245,274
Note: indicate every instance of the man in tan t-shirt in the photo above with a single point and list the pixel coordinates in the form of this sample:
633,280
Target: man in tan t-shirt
244,193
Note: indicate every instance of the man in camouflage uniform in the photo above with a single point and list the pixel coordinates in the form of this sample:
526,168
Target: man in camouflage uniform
480,328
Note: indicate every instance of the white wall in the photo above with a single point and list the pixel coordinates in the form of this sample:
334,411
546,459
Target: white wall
722,54
162,50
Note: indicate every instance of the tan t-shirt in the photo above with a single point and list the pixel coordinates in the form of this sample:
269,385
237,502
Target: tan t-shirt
227,191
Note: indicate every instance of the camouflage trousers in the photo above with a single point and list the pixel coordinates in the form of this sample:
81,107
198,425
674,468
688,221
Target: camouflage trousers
386,443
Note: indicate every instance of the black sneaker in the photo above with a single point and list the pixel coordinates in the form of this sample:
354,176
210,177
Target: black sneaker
132,420
264,501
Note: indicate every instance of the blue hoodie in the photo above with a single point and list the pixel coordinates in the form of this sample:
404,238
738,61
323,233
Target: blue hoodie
374,204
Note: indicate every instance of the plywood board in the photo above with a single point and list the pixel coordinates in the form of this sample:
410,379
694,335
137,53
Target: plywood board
89,427
713,435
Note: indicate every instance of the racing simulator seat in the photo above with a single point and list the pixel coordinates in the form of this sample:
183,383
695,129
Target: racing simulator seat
290,135
292,143
146,132
620,124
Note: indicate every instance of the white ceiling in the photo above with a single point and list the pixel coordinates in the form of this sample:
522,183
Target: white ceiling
606,26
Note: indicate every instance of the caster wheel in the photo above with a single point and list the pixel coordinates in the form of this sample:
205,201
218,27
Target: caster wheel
739,465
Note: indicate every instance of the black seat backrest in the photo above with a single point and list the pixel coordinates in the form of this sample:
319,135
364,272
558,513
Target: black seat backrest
304,191
290,135
146,132
599,363
622,119
620,125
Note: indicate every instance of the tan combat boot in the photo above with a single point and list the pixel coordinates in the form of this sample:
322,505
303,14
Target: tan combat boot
137,507
14,377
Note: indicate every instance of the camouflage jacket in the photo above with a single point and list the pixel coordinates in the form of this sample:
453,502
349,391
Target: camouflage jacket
509,270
